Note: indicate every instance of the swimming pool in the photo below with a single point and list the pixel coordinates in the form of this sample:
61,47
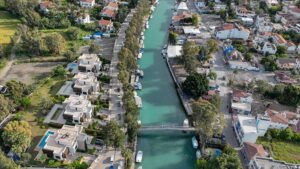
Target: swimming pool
44,139
72,66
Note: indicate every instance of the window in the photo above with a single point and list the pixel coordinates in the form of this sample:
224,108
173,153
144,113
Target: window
76,121
57,157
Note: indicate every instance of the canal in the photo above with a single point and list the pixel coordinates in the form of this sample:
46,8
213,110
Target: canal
161,105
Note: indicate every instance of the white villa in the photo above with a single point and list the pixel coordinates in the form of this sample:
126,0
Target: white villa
232,31
64,142
85,83
78,109
87,3
89,63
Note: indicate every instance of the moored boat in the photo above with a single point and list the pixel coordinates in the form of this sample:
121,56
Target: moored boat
198,154
139,157
194,142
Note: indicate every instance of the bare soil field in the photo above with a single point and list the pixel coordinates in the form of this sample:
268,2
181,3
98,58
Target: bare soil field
29,72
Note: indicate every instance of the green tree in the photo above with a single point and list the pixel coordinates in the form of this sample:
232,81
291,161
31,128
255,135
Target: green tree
78,164
212,45
204,116
70,55
55,43
195,20
127,154
223,15
59,71
113,135
73,33
190,52
17,134
172,38
94,48
281,51
7,163
25,102
30,40
196,85
212,75
17,90
5,107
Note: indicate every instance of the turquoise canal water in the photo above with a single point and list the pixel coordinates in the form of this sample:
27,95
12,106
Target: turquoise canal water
161,105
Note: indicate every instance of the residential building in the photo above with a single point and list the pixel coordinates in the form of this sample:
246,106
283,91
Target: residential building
106,25
284,77
244,12
280,41
45,6
89,63
64,142
110,10
232,31
241,102
182,7
77,109
87,3
179,18
271,3
288,63
266,48
85,83
286,18
245,129
269,163
112,6
263,24
293,10
83,19
240,65
108,13
252,150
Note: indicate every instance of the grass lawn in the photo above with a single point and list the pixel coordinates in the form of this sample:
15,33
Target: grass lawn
8,24
281,150
48,89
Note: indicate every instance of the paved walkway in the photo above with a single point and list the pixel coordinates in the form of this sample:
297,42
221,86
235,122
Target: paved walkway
115,92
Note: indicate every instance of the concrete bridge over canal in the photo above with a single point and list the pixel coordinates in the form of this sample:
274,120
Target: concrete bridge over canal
166,127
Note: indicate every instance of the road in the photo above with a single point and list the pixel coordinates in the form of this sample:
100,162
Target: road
116,109
12,56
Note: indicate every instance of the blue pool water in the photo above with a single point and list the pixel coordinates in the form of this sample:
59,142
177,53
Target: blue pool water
44,139
72,66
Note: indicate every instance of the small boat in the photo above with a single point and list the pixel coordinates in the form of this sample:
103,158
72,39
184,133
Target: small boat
151,16
185,123
143,38
140,73
138,86
139,157
165,46
198,154
140,55
194,142
147,26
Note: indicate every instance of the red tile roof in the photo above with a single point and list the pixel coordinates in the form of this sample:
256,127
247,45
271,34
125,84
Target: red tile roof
104,22
277,117
113,4
108,12
228,26
254,149
239,93
46,4
88,1
295,9
279,38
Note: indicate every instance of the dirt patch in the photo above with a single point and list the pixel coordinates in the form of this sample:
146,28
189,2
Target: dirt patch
29,72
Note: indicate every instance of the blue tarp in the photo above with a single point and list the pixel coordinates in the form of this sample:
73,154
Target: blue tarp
228,49
98,34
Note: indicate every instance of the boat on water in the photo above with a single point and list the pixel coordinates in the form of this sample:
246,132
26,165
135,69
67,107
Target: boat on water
198,154
140,73
137,86
151,16
185,123
140,55
194,142
139,157
147,26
